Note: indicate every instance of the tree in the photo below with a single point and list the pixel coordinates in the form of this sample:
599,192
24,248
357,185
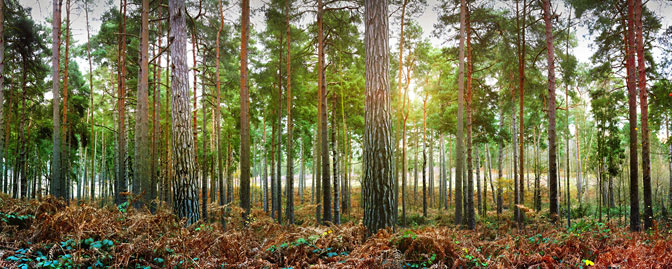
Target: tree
244,112
2,90
378,151
632,116
459,145
644,112
324,142
120,180
218,111
57,187
185,203
550,58
142,170
290,150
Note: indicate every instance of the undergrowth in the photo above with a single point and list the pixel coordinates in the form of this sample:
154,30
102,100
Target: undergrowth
49,234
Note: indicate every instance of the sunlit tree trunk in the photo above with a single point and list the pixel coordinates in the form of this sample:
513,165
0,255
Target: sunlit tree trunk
459,145
378,151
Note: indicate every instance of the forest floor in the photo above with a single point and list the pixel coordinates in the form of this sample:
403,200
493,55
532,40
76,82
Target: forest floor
49,234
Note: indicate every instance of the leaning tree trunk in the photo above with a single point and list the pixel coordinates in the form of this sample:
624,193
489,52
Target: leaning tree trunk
378,151
185,204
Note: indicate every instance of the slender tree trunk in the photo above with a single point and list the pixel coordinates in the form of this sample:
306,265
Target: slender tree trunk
552,163
378,151
644,112
632,116
244,113
265,179
320,88
2,94
479,194
326,187
218,113
204,166
424,156
120,181
334,152
471,219
459,147
142,140
290,143
401,103
185,203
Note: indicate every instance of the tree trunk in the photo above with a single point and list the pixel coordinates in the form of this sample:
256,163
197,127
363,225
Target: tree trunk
218,113
265,167
632,117
142,140
378,151
459,147
120,180
320,87
290,143
244,112
424,156
334,152
471,218
644,112
185,203
326,187
2,96
552,163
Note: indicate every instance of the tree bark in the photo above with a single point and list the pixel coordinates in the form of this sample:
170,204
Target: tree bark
552,162
185,203
324,150
459,147
644,116
142,140
244,113
632,116
378,151
289,208
471,218
120,180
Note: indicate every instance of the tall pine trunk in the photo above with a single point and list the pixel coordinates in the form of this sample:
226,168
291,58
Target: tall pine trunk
644,112
552,162
459,147
632,116
185,204
378,152
289,208
244,112
142,140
